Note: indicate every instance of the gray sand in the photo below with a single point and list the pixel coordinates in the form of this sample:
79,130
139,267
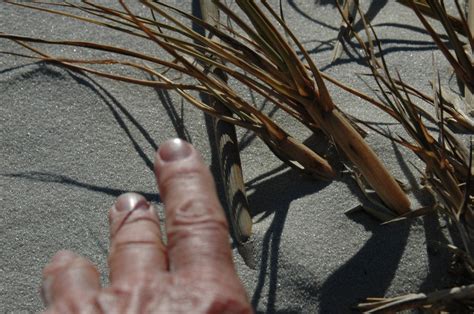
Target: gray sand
70,144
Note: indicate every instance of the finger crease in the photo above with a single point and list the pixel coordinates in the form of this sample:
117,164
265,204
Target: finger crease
142,218
145,243
184,175
203,223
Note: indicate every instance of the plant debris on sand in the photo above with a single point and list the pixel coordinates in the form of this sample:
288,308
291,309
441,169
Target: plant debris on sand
258,50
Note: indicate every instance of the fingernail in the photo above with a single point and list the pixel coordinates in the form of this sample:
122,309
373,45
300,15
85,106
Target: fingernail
174,150
131,201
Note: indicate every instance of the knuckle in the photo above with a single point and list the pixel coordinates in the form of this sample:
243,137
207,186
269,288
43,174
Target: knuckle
142,232
203,232
64,261
124,252
127,244
197,212
130,236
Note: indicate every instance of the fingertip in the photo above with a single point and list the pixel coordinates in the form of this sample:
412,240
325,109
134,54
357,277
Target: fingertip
131,201
63,256
66,275
129,207
59,260
174,150
127,202
174,153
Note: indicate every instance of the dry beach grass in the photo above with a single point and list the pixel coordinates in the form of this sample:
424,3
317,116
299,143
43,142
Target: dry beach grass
279,69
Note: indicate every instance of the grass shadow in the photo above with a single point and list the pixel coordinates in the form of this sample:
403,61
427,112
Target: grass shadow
370,271
283,191
437,263
176,118
65,180
112,103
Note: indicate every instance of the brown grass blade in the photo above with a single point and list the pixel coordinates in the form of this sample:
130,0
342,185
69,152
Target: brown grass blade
443,299
462,65
271,69
424,8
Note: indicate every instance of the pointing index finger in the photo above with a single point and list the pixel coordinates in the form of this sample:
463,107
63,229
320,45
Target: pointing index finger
196,225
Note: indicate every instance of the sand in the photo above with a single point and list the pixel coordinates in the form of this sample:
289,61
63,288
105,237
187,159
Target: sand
71,143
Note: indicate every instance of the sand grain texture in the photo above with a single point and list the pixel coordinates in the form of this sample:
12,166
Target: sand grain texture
71,143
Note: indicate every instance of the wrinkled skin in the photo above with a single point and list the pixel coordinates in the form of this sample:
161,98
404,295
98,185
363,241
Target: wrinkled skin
192,273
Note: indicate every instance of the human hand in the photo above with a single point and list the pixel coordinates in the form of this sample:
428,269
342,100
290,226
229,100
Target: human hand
192,273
